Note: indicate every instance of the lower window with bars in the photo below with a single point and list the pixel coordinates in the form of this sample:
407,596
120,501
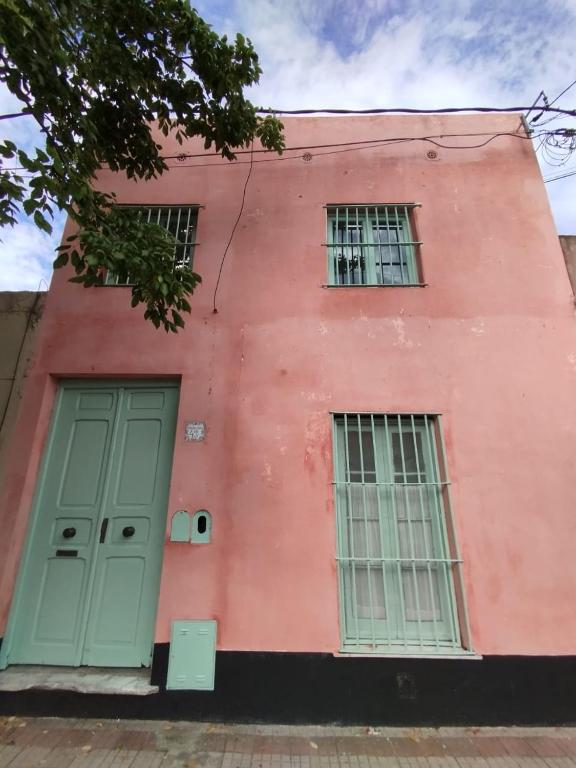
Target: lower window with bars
399,571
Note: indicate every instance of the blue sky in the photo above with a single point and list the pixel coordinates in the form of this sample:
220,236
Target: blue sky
378,53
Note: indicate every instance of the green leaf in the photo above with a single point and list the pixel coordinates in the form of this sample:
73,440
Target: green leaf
30,206
60,261
41,222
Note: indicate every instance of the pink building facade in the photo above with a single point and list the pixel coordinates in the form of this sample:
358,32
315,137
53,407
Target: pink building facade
386,403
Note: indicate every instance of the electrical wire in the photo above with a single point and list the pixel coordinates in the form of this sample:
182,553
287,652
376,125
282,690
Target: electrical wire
379,142
347,144
374,145
18,357
283,158
561,176
407,110
214,308
549,104
563,92
186,156
536,100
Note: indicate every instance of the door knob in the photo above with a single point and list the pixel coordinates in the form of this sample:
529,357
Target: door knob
69,533
128,531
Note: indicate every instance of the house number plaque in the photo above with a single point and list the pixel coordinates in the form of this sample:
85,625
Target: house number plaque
194,431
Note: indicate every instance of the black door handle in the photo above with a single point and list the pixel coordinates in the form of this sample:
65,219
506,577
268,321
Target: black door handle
128,531
103,529
69,533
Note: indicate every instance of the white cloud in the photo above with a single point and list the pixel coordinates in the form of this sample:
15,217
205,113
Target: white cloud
414,53
22,130
26,257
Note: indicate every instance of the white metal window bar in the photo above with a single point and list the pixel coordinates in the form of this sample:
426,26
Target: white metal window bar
371,245
398,566
180,222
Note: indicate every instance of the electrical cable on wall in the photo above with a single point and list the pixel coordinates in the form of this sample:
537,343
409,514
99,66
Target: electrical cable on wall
368,144
371,144
214,308
17,363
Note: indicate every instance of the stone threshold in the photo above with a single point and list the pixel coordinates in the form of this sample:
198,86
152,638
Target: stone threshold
123,682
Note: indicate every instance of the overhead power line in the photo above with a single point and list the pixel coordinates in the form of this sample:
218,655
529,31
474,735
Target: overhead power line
572,84
408,111
560,176
536,100
548,104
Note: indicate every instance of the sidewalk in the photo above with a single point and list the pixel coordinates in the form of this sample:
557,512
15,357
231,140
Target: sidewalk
59,743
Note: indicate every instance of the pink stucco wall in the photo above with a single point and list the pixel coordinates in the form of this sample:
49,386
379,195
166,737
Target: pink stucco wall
490,343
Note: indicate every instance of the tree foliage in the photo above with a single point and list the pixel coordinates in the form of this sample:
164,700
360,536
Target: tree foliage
95,75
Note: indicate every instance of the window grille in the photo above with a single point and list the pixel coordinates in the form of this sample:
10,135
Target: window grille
371,245
398,568
180,222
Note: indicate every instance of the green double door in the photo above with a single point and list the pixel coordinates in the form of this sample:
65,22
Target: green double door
90,578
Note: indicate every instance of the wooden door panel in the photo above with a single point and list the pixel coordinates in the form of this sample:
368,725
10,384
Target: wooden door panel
121,622
90,580
51,609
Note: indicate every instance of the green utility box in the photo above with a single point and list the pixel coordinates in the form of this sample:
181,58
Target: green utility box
192,656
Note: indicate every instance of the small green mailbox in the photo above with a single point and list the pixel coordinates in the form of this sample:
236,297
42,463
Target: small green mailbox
201,527
180,527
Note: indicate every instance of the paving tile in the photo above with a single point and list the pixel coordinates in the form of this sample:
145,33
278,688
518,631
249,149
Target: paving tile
30,757
20,734
60,743
241,743
489,746
327,747
559,762
546,746
568,745
60,758
434,746
135,740
516,746
97,758
304,746
49,738
7,754
463,747
444,762
408,747
148,759
72,737
378,747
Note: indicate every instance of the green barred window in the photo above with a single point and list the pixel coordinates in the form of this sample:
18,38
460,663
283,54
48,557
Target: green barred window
180,222
399,571
371,245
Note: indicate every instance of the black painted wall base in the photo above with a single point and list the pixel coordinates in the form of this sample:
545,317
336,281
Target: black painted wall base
318,688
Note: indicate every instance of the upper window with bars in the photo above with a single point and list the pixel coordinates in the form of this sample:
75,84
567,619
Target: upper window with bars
372,245
180,222
399,571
